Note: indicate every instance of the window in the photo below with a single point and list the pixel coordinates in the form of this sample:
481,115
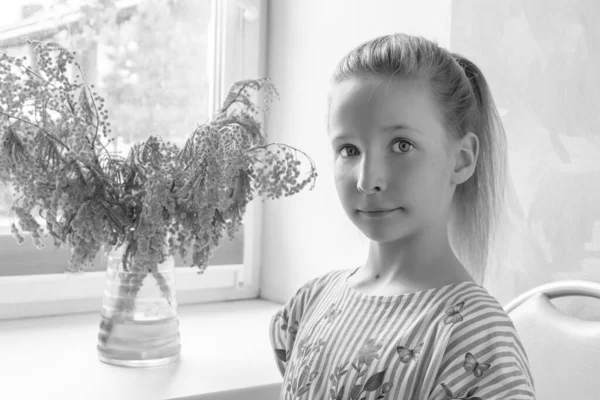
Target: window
162,67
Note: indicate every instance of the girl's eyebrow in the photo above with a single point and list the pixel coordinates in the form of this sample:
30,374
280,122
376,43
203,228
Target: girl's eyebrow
386,129
397,127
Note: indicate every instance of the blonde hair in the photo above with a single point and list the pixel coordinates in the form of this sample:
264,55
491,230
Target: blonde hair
466,102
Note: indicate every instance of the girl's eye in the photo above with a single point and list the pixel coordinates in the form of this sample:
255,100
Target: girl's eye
404,147
407,146
346,147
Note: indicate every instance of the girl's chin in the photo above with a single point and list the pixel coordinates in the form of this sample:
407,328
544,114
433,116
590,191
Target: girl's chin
382,229
380,235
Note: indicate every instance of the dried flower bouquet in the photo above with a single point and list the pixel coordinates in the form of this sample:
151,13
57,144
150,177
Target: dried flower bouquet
157,201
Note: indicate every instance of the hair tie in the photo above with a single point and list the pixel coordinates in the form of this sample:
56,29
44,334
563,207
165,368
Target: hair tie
463,64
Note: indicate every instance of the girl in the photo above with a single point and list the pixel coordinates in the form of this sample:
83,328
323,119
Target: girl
419,162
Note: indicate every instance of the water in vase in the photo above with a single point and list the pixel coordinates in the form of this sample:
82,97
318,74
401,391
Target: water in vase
139,325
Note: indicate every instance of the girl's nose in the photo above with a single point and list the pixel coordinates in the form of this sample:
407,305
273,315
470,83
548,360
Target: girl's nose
375,189
371,177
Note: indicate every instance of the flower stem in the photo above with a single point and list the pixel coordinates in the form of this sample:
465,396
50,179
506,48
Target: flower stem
39,127
129,287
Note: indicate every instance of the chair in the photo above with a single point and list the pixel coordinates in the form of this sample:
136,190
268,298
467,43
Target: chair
563,351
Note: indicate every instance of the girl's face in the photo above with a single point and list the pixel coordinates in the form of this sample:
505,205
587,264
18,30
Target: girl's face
389,134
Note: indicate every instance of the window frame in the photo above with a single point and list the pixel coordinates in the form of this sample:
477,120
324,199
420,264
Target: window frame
239,27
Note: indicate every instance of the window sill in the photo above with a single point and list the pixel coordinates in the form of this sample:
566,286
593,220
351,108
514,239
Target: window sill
225,354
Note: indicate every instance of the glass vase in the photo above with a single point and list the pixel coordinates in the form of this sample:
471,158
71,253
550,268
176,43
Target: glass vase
139,325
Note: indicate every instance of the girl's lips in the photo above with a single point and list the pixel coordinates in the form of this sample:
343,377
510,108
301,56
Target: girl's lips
378,214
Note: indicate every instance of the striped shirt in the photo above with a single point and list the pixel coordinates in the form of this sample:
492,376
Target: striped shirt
451,342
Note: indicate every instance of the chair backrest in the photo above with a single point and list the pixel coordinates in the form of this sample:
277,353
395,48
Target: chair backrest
563,351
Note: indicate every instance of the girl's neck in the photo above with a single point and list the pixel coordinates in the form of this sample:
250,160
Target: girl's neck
416,261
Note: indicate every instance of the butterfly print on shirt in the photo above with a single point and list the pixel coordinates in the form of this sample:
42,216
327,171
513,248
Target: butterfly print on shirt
407,355
453,314
461,395
471,365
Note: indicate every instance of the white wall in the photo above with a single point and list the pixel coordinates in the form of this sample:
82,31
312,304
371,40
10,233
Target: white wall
308,234
541,60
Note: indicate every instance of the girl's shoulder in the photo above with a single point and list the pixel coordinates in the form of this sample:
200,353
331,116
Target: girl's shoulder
474,296
307,294
474,304
321,282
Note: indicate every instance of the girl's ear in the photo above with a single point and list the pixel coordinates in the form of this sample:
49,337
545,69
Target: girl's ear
466,154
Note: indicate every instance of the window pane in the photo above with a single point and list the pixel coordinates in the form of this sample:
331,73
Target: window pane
149,60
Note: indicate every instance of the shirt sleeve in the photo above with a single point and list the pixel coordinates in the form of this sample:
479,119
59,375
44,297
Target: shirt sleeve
483,359
285,323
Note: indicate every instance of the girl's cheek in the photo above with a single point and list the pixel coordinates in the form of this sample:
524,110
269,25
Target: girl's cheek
348,176
341,170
